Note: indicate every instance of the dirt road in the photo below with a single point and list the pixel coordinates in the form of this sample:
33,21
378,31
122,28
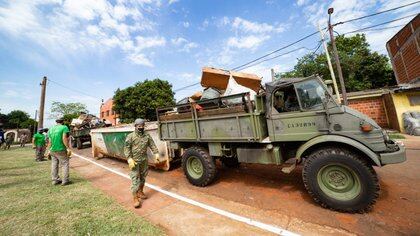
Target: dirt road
265,194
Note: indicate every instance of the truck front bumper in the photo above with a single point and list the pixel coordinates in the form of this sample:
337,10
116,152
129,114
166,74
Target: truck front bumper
397,156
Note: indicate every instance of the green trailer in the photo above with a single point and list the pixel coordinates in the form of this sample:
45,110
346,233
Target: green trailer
292,122
109,142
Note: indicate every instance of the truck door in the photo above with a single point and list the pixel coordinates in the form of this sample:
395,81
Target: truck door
297,112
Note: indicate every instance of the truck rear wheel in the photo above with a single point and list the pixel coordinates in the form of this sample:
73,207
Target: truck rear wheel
198,166
340,180
79,143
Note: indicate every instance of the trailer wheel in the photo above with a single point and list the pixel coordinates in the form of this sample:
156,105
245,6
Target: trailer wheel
79,143
199,167
73,142
340,180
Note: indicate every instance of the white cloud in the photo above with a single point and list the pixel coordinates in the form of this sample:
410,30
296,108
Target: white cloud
255,27
71,27
140,59
248,42
172,1
178,41
186,24
183,44
300,2
316,11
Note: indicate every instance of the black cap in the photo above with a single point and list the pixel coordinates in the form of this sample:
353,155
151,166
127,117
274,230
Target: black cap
60,120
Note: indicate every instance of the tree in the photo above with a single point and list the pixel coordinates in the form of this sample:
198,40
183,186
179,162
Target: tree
16,119
73,109
362,69
142,99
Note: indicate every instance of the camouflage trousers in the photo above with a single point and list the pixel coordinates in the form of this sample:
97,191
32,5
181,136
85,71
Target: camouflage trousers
138,175
59,159
39,152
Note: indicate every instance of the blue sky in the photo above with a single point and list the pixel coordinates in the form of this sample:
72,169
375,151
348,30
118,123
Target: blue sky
97,46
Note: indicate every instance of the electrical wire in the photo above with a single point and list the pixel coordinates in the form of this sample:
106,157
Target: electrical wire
294,50
277,50
383,23
310,35
72,89
376,13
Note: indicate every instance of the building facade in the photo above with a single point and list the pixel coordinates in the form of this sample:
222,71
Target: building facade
106,112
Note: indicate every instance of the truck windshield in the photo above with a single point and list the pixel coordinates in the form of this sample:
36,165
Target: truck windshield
311,93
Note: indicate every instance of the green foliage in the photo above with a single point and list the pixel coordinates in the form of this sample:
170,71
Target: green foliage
59,109
16,119
362,69
142,99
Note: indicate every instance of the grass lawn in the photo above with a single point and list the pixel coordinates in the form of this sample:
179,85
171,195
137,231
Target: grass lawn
31,205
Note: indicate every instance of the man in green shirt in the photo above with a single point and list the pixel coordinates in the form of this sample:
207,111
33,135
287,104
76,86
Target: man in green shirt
38,143
58,144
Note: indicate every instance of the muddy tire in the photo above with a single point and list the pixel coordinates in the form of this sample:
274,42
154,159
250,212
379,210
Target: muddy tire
72,142
230,162
199,167
340,180
79,143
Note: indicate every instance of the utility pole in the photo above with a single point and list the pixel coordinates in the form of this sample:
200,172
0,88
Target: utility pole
42,103
330,65
337,60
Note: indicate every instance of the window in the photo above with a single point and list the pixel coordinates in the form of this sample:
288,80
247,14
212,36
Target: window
414,100
311,94
102,114
107,113
285,100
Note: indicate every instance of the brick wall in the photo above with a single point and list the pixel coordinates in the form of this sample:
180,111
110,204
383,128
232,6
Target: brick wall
404,52
372,107
107,113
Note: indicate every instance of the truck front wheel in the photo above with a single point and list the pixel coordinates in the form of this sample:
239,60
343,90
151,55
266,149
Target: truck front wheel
79,143
198,166
340,180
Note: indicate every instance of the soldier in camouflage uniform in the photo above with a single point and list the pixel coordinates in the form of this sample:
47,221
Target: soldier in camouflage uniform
135,149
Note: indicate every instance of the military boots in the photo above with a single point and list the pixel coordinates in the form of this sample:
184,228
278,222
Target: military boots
136,201
140,193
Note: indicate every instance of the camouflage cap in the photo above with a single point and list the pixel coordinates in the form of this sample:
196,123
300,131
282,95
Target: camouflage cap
139,121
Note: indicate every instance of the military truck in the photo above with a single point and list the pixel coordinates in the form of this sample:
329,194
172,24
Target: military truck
292,122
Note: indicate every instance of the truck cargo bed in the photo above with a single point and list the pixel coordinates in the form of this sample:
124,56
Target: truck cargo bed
213,120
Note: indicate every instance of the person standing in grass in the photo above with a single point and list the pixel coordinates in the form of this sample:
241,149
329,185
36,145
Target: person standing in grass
135,150
38,143
58,146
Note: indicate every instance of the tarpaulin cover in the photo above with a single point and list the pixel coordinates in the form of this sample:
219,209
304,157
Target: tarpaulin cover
412,122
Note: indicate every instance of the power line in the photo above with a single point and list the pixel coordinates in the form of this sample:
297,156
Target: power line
383,23
182,88
294,50
377,13
72,89
277,50
310,35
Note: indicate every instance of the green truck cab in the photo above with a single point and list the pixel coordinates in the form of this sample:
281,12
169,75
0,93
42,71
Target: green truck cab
292,122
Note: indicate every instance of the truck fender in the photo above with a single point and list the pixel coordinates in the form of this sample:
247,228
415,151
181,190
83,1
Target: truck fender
337,139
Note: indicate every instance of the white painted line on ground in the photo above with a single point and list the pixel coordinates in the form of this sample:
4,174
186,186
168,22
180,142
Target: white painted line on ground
246,220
